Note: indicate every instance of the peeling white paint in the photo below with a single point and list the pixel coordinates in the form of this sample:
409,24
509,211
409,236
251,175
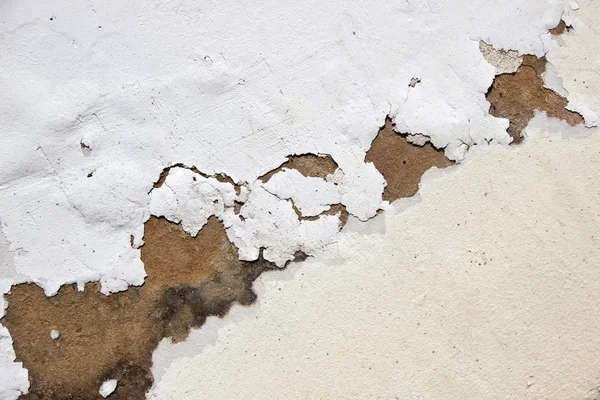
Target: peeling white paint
575,58
13,377
505,61
101,97
190,198
310,195
417,139
271,223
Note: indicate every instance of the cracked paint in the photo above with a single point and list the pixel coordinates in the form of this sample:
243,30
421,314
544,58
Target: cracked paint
263,152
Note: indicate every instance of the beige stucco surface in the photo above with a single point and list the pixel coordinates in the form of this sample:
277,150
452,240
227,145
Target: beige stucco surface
486,289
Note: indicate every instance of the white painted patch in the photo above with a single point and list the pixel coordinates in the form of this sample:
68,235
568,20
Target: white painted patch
505,61
108,387
13,377
271,223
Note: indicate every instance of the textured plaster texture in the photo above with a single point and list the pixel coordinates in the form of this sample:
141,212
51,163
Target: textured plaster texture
486,289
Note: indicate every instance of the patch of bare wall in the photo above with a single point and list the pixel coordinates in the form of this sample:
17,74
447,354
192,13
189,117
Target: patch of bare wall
401,163
318,166
113,337
516,96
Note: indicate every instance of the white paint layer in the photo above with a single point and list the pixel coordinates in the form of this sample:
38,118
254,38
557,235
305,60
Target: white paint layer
188,198
13,377
310,195
100,97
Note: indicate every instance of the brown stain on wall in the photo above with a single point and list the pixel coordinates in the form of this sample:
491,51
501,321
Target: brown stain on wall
113,337
561,28
518,95
401,163
318,166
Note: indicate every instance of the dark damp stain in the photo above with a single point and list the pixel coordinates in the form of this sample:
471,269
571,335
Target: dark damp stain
113,337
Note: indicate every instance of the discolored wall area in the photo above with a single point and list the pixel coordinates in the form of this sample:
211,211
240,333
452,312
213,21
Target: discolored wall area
366,200
112,337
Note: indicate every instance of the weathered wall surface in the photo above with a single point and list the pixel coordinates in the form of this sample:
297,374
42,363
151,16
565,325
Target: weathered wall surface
486,289
165,166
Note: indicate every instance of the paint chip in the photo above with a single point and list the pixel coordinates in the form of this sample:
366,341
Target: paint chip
561,28
108,387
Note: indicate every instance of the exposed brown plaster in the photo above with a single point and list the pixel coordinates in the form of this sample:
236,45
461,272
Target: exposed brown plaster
516,96
561,28
340,211
105,337
227,179
318,166
335,209
401,163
